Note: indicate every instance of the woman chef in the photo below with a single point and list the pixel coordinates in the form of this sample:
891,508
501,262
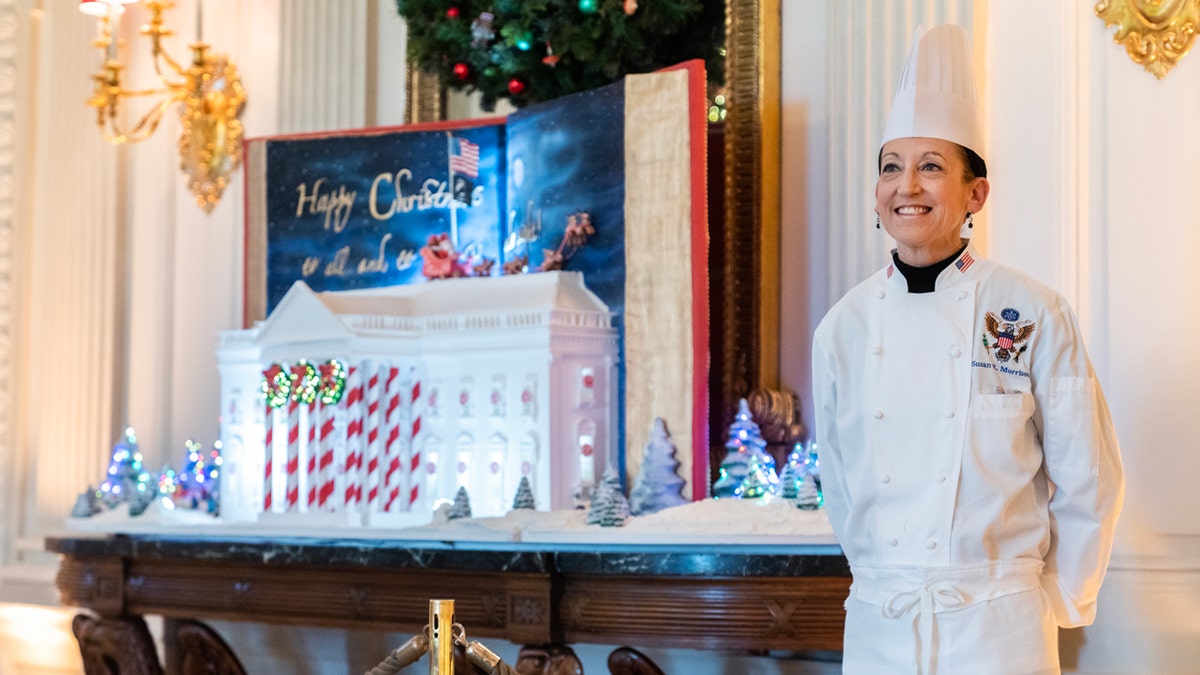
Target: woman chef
971,470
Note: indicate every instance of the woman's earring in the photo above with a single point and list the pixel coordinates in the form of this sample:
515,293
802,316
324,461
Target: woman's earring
877,221
970,220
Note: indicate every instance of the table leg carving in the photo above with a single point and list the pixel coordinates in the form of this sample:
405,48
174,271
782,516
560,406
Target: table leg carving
115,646
548,660
203,652
629,661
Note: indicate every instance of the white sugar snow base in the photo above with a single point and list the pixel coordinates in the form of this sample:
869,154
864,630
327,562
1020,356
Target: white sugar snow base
769,521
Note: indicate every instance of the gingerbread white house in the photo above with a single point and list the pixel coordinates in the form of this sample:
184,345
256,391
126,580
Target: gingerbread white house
369,407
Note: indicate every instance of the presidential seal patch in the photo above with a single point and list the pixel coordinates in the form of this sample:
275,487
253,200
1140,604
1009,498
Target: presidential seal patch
1009,334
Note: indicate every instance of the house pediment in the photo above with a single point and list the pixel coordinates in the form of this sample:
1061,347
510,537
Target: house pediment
301,317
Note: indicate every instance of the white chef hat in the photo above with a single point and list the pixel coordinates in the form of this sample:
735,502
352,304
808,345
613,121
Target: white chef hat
936,97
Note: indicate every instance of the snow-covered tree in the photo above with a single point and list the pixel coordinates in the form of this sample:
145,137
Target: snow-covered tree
609,506
87,504
615,511
462,505
658,485
524,498
792,474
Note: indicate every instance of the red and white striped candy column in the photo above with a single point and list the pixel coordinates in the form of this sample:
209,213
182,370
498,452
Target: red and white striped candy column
352,403
312,450
391,446
414,451
325,468
293,455
374,471
269,452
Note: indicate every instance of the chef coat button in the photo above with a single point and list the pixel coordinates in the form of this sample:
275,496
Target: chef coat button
955,352
949,414
878,414
941,478
885,478
892,541
880,294
877,350
931,544
962,295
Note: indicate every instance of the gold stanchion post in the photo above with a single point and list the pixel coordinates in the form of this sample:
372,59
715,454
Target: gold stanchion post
441,637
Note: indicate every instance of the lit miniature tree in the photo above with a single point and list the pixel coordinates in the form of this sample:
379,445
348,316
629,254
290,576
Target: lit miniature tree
745,443
811,495
658,485
462,505
127,480
198,484
524,498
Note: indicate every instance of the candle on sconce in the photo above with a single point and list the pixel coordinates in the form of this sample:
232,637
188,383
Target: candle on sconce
113,17
199,20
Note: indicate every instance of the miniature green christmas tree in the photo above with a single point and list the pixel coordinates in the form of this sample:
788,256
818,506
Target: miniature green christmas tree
462,505
524,498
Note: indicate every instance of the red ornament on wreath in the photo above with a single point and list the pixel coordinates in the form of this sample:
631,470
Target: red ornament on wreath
452,13
516,86
631,6
462,71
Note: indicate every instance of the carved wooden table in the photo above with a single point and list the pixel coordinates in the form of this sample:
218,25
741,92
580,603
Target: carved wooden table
700,597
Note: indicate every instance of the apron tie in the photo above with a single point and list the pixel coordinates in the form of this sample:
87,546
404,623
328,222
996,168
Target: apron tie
928,599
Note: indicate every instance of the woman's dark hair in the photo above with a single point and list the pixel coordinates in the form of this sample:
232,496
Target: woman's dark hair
976,167
975,163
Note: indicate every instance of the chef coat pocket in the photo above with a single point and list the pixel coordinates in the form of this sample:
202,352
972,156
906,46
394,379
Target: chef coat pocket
1017,404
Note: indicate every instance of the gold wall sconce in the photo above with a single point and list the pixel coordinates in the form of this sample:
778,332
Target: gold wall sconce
1155,33
208,92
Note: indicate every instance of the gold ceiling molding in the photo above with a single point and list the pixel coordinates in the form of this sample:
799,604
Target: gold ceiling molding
1155,33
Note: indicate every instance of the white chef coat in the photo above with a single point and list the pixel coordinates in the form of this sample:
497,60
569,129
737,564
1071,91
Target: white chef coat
970,468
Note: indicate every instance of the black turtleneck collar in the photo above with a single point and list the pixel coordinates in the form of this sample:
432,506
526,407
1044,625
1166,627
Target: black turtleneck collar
923,279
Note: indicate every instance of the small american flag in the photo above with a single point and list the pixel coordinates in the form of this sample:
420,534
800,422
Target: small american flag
964,261
465,159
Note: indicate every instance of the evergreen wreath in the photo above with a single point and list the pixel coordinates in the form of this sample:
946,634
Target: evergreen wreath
528,51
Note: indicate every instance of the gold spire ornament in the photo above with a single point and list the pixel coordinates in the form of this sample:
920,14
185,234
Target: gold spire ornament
1155,33
208,92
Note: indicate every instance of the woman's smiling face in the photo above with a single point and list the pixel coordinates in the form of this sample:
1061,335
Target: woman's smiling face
923,195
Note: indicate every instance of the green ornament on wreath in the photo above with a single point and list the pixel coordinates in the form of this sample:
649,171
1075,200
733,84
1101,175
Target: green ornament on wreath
557,47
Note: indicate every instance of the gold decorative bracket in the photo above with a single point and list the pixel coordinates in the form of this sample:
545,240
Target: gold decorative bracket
1155,33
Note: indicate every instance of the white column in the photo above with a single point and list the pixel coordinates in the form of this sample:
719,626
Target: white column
9,245
322,83
72,304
